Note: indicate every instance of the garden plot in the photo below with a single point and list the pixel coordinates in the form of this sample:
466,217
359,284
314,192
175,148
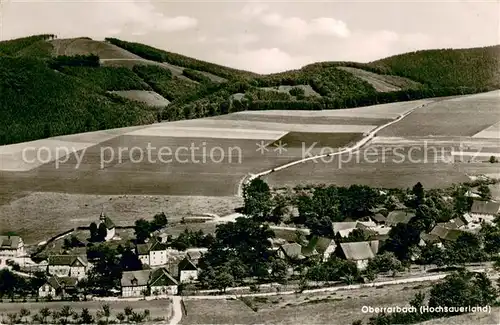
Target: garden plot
150,98
464,116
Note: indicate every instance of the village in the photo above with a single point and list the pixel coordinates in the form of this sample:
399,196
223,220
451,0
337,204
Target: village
153,265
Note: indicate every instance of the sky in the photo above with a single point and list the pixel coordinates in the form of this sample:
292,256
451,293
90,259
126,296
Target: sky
264,37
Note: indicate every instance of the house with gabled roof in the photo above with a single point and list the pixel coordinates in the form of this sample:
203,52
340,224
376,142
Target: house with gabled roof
75,266
291,251
399,216
11,246
359,252
187,270
154,253
322,246
162,283
135,283
484,210
60,287
110,226
379,218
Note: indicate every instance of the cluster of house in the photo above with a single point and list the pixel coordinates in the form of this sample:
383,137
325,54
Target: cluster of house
378,226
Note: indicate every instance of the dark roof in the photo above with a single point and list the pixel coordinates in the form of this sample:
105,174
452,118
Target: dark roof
69,260
399,216
187,265
320,244
157,245
142,249
60,282
160,277
359,250
292,250
9,242
379,217
446,233
485,207
107,222
135,278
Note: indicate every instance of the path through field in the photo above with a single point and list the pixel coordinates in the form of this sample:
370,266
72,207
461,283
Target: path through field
177,310
354,147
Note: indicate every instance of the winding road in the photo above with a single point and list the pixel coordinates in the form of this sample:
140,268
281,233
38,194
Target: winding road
248,178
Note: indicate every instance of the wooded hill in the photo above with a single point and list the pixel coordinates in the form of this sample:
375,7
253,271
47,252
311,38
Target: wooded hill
53,86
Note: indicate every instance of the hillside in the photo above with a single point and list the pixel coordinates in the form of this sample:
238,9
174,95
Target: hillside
53,86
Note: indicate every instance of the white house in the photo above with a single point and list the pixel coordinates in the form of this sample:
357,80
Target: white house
57,287
162,283
359,252
68,266
135,283
153,254
110,227
484,210
11,246
188,271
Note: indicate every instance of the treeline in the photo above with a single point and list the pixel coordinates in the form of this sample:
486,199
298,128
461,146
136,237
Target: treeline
38,102
163,82
11,47
196,76
60,61
151,53
477,67
108,78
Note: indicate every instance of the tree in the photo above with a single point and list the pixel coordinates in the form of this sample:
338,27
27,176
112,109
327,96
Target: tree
159,221
86,317
102,232
13,318
129,261
419,193
463,288
257,199
279,270
279,209
401,238
223,279
484,192
93,232
386,262
104,312
23,314
65,313
44,314
121,317
128,312
142,230
493,160
425,218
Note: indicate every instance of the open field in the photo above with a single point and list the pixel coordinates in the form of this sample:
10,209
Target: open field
381,83
157,308
330,120
342,307
83,46
63,211
383,111
150,98
308,139
492,132
464,116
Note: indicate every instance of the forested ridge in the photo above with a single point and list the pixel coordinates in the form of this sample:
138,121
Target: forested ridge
44,94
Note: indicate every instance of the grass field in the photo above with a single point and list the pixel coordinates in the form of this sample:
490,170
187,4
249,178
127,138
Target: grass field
158,308
381,83
150,98
308,139
331,120
83,46
308,90
342,307
465,116
41,215
475,318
